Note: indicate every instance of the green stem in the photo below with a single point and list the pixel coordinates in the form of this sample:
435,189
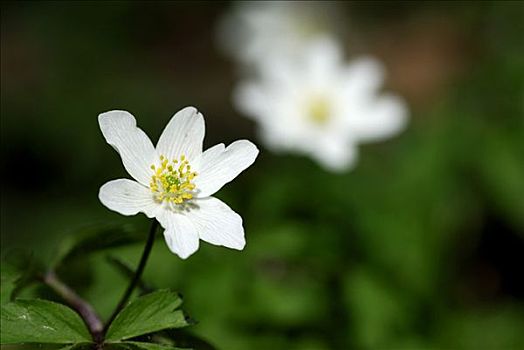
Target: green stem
136,278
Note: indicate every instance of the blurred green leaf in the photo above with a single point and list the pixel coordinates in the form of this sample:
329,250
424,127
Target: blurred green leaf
126,270
41,321
378,311
8,278
488,328
150,313
92,239
19,270
502,171
295,298
181,338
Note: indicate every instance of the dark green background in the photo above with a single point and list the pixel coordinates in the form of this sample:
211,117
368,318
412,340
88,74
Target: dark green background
420,247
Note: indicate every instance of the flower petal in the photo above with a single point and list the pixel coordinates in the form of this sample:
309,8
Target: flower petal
137,152
180,234
386,116
363,76
128,197
217,223
183,135
335,155
322,57
218,166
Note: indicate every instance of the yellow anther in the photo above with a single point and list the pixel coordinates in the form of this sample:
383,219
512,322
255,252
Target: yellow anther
319,110
173,184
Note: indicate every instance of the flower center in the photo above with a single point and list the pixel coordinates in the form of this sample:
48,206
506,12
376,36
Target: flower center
173,180
319,110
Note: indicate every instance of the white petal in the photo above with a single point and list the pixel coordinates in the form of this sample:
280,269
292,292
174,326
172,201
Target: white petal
218,166
183,135
137,152
213,152
336,156
128,197
323,56
217,224
362,77
386,116
180,234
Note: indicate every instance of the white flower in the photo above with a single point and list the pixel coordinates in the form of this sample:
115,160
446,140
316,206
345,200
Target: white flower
175,180
254,30
320,106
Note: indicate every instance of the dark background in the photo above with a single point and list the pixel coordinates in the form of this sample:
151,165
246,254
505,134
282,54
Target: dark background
420,247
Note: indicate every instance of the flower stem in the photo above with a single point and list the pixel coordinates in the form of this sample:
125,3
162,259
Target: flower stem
86,311
136,278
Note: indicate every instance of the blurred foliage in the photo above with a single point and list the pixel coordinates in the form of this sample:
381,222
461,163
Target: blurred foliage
420,247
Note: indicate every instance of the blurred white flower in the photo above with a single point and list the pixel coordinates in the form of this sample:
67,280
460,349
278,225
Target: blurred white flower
319,105
254,30
175,181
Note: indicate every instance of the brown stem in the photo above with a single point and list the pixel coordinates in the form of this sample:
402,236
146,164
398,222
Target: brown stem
84,309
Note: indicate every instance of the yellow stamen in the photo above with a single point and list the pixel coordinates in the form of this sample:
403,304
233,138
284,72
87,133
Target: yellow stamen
319,110
173,184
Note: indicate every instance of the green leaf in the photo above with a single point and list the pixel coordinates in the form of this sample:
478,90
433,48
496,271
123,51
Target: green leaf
41,321
81,346
93,238
135,345
150,313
